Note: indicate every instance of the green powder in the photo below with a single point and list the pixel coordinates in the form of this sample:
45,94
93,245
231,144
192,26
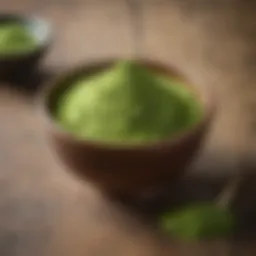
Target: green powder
15,38
127,104
196,222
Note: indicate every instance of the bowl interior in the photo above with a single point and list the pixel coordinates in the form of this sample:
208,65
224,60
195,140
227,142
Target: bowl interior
64,83
53,92
40,29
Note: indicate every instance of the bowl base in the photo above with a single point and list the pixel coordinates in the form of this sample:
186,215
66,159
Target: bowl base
151,201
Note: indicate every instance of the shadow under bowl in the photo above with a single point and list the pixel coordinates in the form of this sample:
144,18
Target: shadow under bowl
125,170
20,64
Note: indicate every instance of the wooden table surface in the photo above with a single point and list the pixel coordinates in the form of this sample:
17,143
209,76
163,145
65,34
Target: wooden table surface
44,210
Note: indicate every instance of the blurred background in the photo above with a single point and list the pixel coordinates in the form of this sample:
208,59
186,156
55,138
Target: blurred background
212,42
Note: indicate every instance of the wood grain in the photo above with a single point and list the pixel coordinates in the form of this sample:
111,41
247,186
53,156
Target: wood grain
44,210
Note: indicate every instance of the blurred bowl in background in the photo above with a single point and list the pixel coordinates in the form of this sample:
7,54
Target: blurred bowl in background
25,62
125,170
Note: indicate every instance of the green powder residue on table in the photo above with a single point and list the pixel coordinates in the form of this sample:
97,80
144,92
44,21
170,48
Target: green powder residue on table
15,39
127,104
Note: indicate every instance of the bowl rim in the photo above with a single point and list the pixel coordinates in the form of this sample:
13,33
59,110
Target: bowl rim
21,18
207,99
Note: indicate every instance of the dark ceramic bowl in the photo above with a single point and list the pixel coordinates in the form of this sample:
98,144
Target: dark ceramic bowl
125,170
23,63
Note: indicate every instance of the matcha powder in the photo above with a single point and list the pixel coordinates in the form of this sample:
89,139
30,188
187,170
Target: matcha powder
127,103
15,39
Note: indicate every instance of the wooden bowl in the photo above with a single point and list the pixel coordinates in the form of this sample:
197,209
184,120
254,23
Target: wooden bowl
23,63
125,170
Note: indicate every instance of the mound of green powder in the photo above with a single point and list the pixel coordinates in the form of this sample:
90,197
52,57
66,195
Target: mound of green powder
127,104
15,39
